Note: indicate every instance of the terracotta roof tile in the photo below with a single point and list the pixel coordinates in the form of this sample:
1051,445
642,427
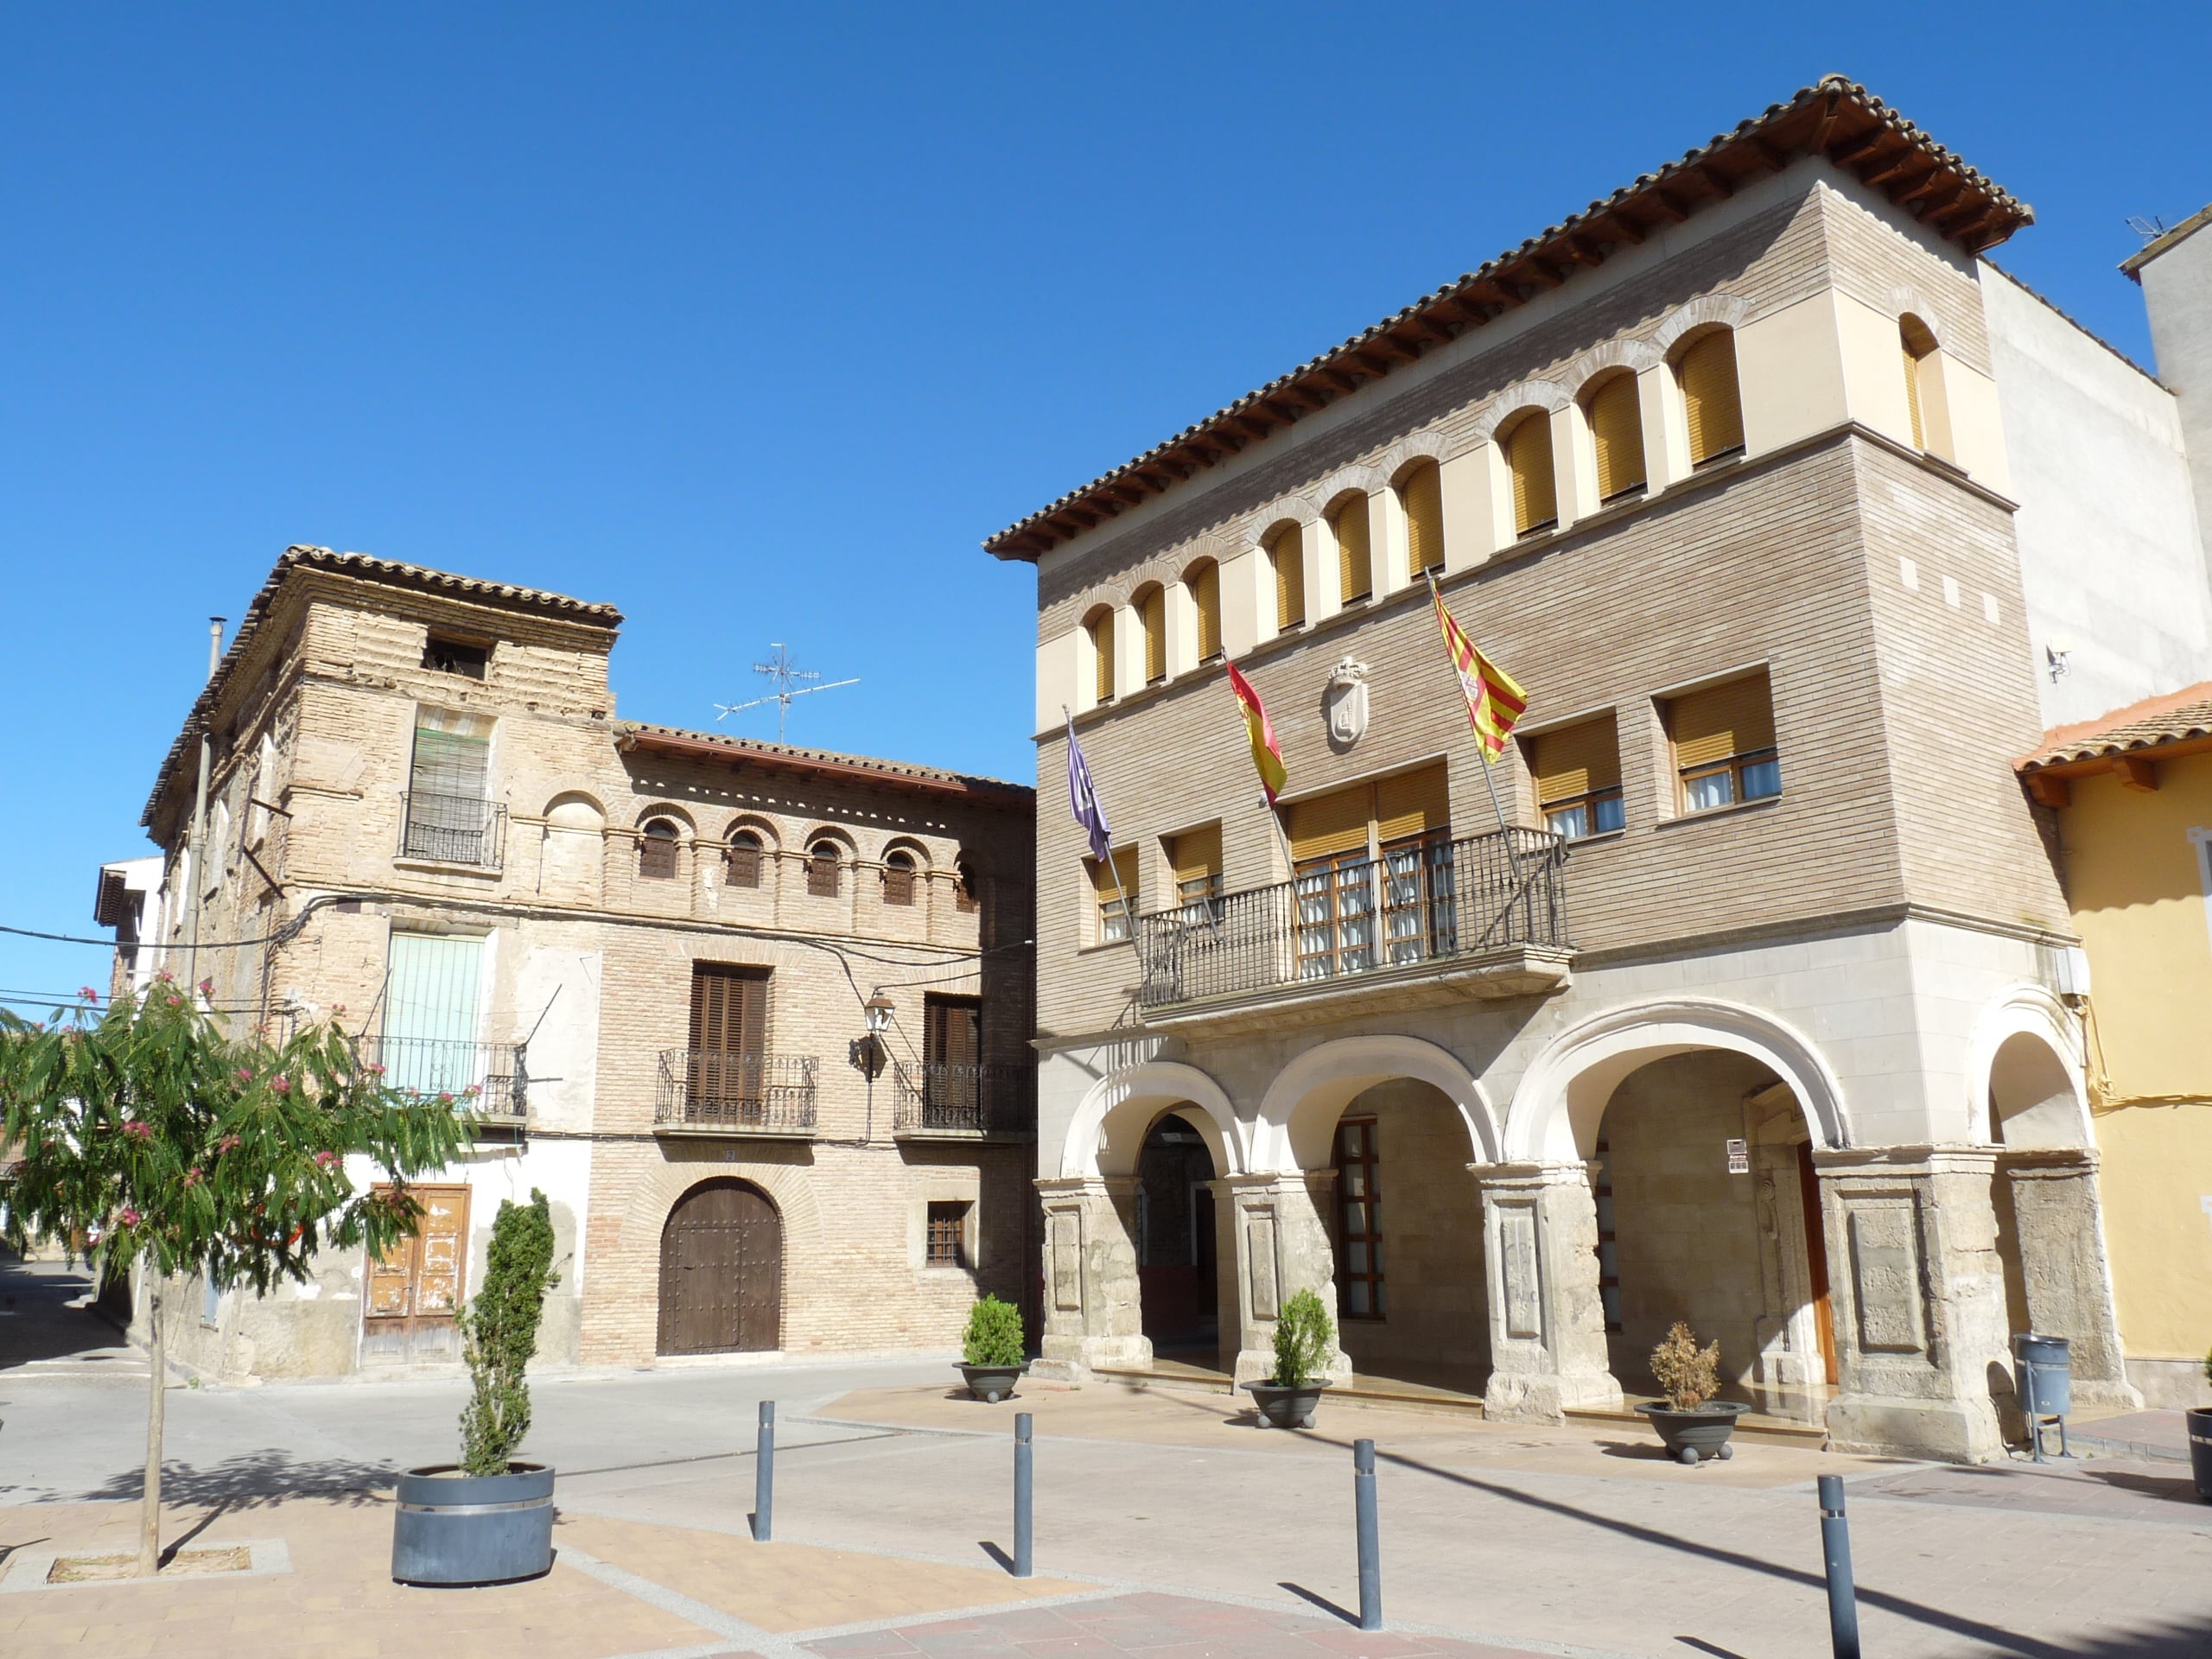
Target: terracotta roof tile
678,739
2174,718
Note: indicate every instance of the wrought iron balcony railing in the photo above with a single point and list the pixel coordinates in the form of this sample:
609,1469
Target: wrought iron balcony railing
736,1093
935,1097
1443,902
491,1079
454,829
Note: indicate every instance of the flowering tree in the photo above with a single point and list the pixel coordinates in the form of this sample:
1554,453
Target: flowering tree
183,1148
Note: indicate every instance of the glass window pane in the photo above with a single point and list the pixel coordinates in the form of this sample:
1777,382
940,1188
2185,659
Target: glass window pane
1356,1297
1762,779
1356,1257
1610,814
1714,789
1572,821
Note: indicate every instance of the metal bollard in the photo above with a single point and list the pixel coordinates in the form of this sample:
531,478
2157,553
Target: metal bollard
764,1476
1370,1546
1023,1455
1835,1549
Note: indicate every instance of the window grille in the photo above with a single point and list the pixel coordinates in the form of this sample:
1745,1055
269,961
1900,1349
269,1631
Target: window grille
948,1230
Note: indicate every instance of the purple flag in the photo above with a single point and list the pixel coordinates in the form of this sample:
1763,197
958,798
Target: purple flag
1082,800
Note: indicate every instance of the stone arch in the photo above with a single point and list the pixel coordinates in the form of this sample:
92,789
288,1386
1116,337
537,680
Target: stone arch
1293,509
850,851
1529,394
785,1185
686,830
1699,316
1108,1130
1907,301
2024,1073
576,809
1359,478
1555,1111
922,863
1299,1112
1401,457
1634,355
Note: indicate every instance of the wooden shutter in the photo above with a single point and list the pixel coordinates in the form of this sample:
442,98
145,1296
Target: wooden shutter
1529,458
1101,651
1287,554
1617,432
1579,760
1423,495
1355,570
1197,854
1205,596
1412,803
1710,398
899,879
656,851
447,763
1330,825
1912,392
1102,876
729,1008
822,860
1153,613
952,1033
743,860
1722,720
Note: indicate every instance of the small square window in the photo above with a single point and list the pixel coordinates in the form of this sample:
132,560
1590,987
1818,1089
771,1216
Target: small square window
948,1235
456,657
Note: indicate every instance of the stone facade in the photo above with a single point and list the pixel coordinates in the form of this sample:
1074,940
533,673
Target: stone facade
585,940
1753,1081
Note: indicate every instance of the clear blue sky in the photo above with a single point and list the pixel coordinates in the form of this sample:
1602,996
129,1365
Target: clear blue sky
752,322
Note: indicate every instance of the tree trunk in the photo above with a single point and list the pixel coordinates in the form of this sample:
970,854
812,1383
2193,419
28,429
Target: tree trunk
149,1514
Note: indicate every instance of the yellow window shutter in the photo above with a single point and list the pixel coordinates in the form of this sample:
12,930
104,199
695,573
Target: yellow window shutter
1709,396
1102,873
1197,854
1722,720
1289,556
1153,610
1529,458
1423,495
1617,432
1354,571
1329,825
1912,392
1412,803
1205,595
1101,647
1579,760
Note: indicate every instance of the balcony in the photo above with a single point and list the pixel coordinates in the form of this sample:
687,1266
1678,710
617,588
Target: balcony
713,1091
1481,916
454,829
491,1079
937,1101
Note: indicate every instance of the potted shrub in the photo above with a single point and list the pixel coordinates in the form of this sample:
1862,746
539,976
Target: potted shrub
992,1358
487,1520
2198,1421
1303,1338
1689,1420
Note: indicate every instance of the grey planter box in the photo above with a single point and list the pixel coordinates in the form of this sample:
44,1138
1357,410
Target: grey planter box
454,1528
993,1383
1282,1408
1692,1437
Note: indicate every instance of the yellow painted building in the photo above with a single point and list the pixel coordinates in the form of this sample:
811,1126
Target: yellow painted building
2132,793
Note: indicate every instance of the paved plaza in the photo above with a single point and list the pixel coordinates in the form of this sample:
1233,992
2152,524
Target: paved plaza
1166,1525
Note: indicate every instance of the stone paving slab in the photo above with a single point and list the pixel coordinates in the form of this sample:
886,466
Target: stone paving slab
2097,1488
2135,1433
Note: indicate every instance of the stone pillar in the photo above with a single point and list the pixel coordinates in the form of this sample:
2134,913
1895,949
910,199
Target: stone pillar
1092,1309
1917,1293
1547,1320
2064,1269
1282,1247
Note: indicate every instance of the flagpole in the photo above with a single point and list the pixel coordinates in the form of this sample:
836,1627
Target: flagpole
1497,804
1113,864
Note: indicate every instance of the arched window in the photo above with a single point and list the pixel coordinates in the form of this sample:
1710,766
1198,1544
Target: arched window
744,859
1286,558
898,877
822,869
1355,565
1529,458
1204,580
1421,494
1710,401
1151,606
1918,345
1616,434
656,851
1100,627
966,893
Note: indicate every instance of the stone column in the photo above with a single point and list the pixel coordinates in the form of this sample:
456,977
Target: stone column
1092,1310
2064,1268
1547,1320
1282,1247
1917,1293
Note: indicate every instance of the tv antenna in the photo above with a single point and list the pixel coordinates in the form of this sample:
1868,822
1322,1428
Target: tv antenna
2149,229
788,677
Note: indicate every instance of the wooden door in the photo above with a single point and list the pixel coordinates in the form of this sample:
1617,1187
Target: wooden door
729,1028
952,1051
1816,1257
721,1272
416,1287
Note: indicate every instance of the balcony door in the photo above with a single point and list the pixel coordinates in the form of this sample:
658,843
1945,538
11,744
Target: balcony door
952,1055
1375,852
447,795
431,1006
729,1031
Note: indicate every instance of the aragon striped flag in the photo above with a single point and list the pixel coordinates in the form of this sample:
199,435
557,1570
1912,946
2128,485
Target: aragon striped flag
1495,703
1267,753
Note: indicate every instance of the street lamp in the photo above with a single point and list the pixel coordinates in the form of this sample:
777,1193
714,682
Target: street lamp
870,1054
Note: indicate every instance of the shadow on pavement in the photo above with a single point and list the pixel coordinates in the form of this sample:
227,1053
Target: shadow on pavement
252,1479
37,1321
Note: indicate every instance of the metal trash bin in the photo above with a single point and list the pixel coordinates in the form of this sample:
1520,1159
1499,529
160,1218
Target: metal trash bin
2045,1369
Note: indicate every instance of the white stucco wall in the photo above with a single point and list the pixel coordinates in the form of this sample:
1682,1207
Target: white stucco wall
2111,558
2178,294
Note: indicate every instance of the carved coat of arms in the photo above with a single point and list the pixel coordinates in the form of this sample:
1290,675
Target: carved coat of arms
1345,703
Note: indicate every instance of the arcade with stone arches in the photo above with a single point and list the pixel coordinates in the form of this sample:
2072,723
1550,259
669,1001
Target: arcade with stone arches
1671,1159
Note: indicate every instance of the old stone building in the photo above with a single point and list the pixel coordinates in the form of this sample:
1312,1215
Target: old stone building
645,954
1761,1010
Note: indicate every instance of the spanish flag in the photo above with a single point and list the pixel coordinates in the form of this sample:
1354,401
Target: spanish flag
1267,753
1495,703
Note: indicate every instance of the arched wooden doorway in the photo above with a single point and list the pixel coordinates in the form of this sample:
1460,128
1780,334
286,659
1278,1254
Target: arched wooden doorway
721,1271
